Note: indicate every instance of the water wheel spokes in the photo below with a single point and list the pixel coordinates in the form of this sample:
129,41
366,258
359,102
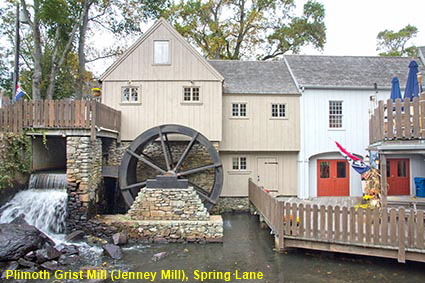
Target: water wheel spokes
170,150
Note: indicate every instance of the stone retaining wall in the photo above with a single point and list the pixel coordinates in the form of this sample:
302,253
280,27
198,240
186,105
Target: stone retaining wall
145,231
84,175
168,204
231,204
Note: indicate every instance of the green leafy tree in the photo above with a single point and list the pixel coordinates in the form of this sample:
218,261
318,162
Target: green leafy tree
394,43
236,29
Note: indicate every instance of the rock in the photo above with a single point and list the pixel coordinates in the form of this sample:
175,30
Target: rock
68,260
46,254
159,256
20,220
11,266
68,249
119,238
16,240
75,236
113,251
30,256
50,265
26,263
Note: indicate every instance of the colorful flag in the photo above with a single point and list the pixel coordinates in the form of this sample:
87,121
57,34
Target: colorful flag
355,161
19,93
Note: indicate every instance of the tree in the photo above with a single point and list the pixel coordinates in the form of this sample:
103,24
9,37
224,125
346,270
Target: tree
235,29
394,43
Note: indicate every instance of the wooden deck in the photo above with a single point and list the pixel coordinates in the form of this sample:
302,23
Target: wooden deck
86,115
391,233
400,120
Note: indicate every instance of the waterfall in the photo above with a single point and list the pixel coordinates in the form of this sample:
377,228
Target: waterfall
43,204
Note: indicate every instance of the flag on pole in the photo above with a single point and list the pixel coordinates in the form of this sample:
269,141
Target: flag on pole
19,93
355,161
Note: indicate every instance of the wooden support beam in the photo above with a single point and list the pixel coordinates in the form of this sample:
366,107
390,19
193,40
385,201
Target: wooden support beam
384,186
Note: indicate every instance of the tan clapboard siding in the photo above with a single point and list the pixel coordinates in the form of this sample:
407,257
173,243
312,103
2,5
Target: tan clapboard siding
139,63
161,103
235,183
259,131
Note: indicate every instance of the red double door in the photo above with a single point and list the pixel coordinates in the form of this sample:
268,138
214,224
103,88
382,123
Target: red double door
333,177
398,176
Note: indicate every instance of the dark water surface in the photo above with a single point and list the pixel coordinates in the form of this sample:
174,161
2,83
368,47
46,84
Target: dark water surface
247,248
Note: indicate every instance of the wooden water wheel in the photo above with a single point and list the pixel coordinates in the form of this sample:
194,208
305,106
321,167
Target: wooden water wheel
173,161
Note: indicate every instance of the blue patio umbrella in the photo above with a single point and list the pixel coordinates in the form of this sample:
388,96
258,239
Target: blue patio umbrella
412,88
395,89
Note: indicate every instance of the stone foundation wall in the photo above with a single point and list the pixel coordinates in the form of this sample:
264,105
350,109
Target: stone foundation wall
168,204
231,205
142,231
84,175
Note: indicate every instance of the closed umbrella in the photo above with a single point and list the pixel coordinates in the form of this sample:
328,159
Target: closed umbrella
412,87
395,89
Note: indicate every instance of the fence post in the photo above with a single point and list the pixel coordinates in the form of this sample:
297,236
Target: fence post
401,236
93,120
280,245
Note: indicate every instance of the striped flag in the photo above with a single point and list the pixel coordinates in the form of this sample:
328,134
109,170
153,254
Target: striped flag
19,93
355,161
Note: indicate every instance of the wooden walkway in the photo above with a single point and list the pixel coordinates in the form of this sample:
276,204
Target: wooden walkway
59,114
391,233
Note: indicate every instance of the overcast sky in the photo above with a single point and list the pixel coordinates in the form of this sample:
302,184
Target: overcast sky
352,25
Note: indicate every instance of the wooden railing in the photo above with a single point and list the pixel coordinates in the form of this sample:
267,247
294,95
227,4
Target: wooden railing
59,114
398,120
387,232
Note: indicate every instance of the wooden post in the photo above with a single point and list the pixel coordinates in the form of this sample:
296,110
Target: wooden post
280,239
384,186
93,120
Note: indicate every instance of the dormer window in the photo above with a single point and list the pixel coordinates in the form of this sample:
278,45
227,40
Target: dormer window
161,53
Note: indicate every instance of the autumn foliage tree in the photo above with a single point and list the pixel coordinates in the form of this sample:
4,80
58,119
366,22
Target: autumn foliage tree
238,29
393,43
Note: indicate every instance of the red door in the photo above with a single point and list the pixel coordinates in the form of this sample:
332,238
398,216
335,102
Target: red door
398,176
333,178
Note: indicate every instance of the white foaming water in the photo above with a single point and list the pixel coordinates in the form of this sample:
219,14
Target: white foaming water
42,205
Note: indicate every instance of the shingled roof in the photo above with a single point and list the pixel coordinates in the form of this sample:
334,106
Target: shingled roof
312,71
255,77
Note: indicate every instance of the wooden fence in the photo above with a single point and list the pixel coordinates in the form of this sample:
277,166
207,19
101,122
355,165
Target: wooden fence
59,114
398,120
392,233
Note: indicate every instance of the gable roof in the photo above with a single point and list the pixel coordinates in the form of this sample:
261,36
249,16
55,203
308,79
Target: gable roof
360,72
255,77
152,29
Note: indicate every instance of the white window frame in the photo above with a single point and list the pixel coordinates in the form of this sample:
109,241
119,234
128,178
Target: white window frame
139,94
335,116
191,101
161,63
279,105
239,110
241,161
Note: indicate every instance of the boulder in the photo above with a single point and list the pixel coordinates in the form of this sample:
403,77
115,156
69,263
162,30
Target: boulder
119,238
26,263
46,254
68,260
50,265
113,251
20,220
159,256
11,266
16,240
68,249
75,236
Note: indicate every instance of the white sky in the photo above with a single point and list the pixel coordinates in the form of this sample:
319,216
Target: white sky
352,26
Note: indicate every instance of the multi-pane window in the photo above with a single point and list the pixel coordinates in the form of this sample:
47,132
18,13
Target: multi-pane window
161,54
239,163
239,109
278,110
130,94
191,94
335,114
